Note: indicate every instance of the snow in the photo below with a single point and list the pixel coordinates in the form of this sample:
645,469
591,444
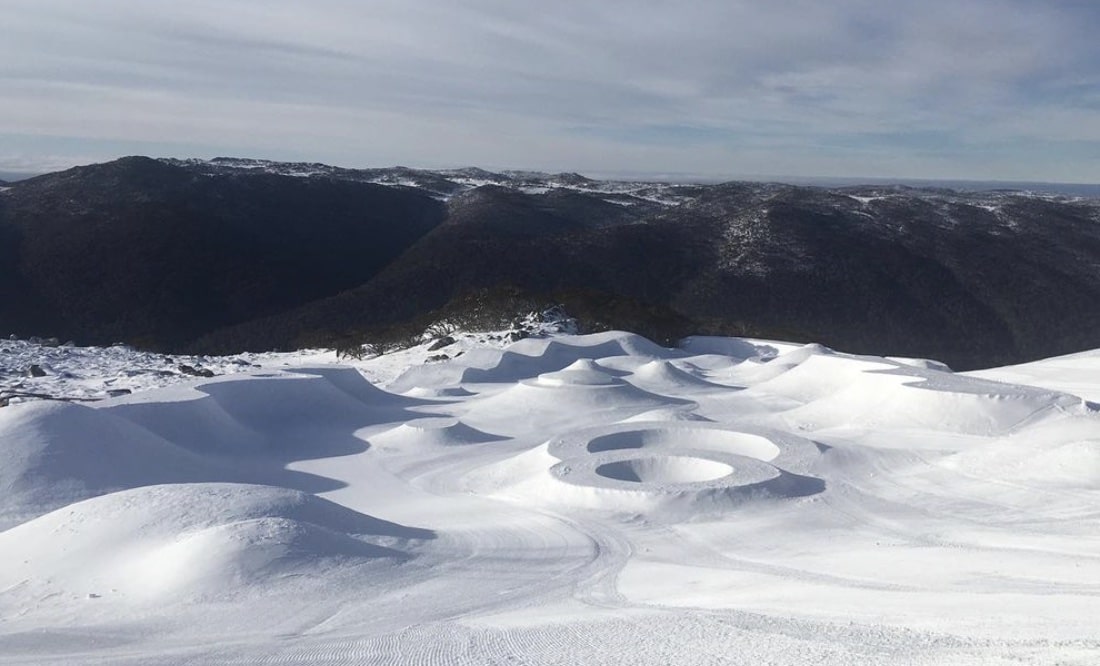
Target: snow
560,500
94,373
1074,373
528,182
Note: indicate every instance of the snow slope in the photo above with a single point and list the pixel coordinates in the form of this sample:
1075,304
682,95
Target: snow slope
564,500
1075,373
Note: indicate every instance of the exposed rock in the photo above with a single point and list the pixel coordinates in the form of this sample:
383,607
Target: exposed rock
441,343
194,372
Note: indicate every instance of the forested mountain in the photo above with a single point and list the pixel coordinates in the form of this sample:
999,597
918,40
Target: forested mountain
155,254
234,254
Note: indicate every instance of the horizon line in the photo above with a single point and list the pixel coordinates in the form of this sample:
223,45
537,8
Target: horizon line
655,176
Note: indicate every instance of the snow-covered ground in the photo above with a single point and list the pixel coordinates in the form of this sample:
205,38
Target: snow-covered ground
560,500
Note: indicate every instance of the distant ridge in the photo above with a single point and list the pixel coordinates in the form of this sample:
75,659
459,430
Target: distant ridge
1089,190
9,177
148,252
231,254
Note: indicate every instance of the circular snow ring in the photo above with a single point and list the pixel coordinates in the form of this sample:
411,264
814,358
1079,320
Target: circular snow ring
664,472
781,449
664,469
704,437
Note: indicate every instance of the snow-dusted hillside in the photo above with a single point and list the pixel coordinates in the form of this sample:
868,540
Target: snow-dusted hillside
446,183
560,500
228,255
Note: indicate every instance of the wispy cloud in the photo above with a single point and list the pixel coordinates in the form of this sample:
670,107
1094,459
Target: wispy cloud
938,88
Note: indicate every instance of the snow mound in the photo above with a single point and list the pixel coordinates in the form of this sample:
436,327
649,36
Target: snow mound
58,453
922,363
1059,453
594,345
584,372
661,376
1073,464
436,393
330,396
282,414
586,395
806,374
431,432
735,348
1072,373
683,413
921,400
236,428
527,359
192,541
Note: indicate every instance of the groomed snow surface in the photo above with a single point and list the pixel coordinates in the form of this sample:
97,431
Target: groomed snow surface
564,500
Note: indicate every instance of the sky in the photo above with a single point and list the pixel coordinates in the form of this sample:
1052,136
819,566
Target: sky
965,89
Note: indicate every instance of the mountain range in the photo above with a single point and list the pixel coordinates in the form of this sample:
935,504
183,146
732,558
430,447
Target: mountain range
231,254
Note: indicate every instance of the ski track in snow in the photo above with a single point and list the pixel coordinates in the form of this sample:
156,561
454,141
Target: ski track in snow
564,500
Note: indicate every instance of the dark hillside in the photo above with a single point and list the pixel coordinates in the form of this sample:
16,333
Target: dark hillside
913,273
233,254
907,274
493,237
154,254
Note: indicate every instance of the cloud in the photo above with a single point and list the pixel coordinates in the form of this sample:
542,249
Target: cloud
971,88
